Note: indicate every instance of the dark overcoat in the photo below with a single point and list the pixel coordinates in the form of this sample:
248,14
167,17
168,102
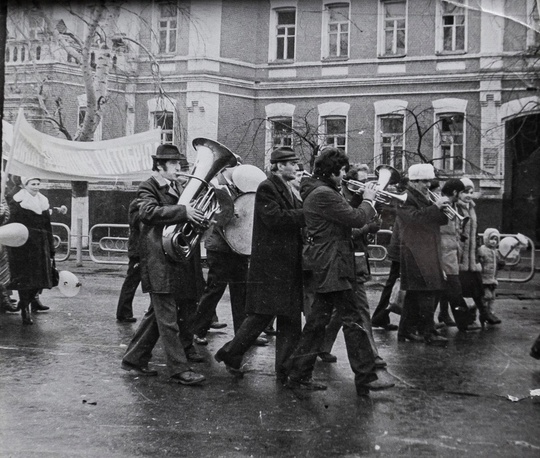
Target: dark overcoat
30,264
329,220
275,273
159,274
420,254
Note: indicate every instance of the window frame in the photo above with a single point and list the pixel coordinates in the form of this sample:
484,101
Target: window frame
393,160
272,125
439,155
276,8
169,43
164,132
382,29
440,26
324,132
327,13
533,19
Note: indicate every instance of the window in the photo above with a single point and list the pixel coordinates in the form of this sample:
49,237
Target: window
394,31
335,132
337,16
167,28
285,34
453,26
281,132
450,128
36,26
165,120
533,37
391,140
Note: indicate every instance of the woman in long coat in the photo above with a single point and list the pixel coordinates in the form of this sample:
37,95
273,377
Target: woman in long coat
31,264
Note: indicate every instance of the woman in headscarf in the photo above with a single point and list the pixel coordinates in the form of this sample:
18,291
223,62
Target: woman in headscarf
31,264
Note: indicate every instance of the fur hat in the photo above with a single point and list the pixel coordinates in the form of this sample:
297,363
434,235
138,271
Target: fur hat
283,154
467,182
490,232
421,172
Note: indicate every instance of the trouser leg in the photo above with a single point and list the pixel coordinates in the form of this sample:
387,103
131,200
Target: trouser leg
186,310
363,303
303,359
427,300
139,351
237,288
408,322
233,351
124,308
331,332
167,321
453,295
381,314
289,330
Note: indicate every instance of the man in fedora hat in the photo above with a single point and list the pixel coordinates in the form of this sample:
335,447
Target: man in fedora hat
275,270
163,278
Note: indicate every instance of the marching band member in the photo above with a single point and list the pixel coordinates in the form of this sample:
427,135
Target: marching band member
329,220
160,276
275,272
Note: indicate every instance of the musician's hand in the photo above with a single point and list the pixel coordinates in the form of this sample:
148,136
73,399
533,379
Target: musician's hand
374,227
370,191
194,215
442,202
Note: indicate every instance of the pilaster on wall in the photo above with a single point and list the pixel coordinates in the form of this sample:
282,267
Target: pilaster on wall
492,141
202,106
492,34
205,35
130,109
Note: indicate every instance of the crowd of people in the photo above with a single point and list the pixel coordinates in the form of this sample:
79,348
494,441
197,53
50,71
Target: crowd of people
308,260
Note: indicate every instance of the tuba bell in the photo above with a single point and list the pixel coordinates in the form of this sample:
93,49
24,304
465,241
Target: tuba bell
180,240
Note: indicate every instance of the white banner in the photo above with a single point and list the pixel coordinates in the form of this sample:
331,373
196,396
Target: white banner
36,154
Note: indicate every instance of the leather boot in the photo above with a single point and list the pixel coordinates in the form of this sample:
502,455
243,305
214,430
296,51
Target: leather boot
5,302
37,306
25,312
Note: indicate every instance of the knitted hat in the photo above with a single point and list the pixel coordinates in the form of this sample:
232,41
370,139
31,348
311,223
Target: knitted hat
467,182
421,172
490,232
25,180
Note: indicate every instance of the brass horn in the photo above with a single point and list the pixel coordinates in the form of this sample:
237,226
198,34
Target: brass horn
449,211
386,175
179,241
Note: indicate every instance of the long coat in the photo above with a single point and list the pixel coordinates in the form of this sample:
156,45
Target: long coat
329,220
468,260
450,246
159,274
30,264
420,252
275,273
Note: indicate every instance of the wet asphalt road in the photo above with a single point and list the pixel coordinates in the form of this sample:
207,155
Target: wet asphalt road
63,394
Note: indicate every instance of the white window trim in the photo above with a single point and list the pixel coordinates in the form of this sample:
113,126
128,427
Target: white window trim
325,43
276,5
448,106
274,110
161,104
157,19
439,38
388,108
333,109
530,32
81,103
380,29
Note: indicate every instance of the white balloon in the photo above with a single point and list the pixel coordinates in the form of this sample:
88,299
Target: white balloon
68,284
509,247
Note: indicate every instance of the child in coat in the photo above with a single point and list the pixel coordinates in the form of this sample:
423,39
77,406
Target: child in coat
490,261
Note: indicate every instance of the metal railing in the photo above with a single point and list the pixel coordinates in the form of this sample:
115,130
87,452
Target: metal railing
111,246
59,243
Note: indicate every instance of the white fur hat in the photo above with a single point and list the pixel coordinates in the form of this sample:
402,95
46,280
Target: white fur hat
467,182
490,232
25,180
421,172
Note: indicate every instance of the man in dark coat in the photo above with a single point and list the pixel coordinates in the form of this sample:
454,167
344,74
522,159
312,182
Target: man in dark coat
421,272
165,280
275,271
330,254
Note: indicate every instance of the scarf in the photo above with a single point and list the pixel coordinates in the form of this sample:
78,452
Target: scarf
38,203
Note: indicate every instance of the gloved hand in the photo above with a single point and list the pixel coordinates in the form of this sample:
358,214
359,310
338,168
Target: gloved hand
374,227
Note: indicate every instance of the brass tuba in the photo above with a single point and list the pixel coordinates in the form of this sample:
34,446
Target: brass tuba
180,240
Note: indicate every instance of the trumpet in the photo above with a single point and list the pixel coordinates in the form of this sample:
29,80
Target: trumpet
386,175
449,211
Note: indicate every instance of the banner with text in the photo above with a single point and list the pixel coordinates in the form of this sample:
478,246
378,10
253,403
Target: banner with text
33,153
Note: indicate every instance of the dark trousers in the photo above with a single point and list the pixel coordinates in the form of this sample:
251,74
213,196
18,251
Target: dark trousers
355,330
223,269
26,296
453,295
381,315
161,320
124,308
288,333
418,311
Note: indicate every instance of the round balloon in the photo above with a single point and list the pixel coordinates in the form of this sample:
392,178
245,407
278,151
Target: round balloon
509,248
68,284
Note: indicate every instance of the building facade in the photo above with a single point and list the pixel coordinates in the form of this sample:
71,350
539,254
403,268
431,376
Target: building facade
390,81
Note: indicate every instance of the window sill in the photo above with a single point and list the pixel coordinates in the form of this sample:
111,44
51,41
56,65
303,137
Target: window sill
393,56
450,53
281,62
334,59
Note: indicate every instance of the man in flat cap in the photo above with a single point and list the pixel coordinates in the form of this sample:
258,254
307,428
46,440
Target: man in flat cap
275,271
163,278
